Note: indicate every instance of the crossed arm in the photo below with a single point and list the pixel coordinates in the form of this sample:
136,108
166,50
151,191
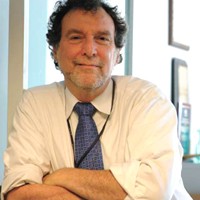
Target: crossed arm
40,192
72,184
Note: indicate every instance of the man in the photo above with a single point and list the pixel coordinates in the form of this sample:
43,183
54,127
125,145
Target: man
139,147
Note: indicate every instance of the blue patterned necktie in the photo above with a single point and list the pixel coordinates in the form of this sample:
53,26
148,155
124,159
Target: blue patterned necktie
86,134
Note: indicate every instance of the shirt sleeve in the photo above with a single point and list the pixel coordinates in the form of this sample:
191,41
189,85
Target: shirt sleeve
152,167
26,159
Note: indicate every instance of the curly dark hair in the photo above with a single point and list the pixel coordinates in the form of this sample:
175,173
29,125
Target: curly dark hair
63,7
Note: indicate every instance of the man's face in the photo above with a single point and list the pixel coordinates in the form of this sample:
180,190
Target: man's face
87,53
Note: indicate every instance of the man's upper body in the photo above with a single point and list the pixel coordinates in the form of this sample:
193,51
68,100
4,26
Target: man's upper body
141,152
140,144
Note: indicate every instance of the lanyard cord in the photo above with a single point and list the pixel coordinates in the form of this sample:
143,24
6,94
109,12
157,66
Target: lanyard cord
76,164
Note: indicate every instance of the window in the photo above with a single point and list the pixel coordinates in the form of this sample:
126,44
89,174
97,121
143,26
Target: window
4,80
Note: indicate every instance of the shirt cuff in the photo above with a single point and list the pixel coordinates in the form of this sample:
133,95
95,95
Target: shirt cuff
126,175
21,176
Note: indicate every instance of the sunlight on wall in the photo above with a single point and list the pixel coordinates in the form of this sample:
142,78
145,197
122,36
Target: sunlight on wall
152,54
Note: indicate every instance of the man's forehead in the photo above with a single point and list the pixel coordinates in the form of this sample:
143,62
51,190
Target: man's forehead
100,12
79,19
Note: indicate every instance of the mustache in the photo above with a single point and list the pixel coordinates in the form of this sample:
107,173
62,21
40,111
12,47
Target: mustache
88,62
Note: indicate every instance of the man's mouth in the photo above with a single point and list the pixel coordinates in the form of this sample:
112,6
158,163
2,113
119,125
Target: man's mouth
85,64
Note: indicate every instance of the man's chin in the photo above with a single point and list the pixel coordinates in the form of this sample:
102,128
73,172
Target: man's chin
89,85
88,82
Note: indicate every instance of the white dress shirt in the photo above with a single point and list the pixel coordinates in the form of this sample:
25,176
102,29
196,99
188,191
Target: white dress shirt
140,144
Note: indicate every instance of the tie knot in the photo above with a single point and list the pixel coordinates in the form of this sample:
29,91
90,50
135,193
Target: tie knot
84,109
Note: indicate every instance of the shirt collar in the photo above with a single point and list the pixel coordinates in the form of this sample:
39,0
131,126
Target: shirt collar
102,102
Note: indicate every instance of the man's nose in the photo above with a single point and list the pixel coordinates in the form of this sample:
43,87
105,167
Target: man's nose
89,48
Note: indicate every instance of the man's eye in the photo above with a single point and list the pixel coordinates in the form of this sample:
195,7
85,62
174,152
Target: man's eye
75,37
103,39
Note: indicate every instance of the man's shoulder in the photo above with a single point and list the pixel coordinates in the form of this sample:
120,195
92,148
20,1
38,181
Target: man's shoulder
131,83
133,87
46,93
49,89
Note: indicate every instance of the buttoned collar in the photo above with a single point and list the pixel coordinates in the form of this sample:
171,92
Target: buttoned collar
102,102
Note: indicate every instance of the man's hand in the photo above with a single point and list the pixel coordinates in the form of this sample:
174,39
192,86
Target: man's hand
88,184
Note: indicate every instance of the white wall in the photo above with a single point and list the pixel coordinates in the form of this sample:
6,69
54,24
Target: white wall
152,55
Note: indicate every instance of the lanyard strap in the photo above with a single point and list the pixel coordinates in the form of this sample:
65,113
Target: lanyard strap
98,136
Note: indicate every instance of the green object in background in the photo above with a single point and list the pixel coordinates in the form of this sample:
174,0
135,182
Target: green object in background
184,126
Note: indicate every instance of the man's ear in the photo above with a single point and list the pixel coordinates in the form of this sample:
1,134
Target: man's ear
119,58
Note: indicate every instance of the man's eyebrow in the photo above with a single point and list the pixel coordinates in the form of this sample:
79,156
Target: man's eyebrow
71,31
104,33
